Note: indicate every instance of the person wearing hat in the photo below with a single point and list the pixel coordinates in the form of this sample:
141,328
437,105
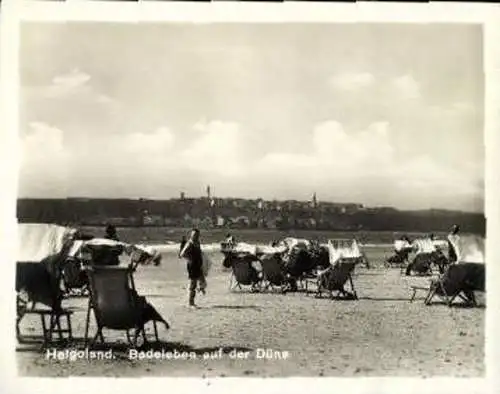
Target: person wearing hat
453,240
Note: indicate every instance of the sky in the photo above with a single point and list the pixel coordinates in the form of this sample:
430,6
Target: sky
377,114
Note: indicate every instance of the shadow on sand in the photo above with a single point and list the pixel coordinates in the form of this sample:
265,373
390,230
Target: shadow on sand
255,307
390,298
458,305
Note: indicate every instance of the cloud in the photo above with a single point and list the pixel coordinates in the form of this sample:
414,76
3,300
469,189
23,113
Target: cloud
74,79
160,141
406,87
363,165
352,81
43,142
218,148
44,160
337,149
73,85
339,164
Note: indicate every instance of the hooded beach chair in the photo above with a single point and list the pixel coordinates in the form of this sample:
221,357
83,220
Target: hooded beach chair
459,280
334,279
426,254
42,249
462,278
400,258
344,256
117,306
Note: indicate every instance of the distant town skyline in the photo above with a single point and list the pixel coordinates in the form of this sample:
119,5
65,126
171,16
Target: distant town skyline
375,114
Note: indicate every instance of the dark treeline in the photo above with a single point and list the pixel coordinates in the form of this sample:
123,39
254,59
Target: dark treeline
240,213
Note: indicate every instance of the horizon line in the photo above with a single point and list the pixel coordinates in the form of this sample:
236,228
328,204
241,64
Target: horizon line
257,198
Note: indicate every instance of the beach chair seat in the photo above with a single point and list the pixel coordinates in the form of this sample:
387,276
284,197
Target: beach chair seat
275,275
399,259
243,273
333,280
421,265
47,293
117,306
300,264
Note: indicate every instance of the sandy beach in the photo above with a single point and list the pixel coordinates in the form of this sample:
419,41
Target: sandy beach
276,335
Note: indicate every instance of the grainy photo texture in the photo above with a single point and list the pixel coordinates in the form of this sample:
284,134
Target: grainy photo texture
245,199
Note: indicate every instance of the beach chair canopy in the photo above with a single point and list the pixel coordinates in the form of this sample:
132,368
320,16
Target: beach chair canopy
440,243
301,243
271,250
37,241
424,246
42,248
99,249
343,249
244,248
470,249
400,245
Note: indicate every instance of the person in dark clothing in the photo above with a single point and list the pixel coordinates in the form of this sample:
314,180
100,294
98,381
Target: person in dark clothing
111,233
193,254
110,255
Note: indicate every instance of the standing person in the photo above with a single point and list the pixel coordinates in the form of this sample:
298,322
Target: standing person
192,253
453,240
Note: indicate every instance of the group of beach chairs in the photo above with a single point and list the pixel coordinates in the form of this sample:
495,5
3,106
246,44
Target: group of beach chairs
297,268
421,257
53,271
276,271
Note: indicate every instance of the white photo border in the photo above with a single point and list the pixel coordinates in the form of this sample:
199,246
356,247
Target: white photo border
13,12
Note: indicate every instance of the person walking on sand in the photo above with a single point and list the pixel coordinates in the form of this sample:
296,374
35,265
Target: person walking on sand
194,256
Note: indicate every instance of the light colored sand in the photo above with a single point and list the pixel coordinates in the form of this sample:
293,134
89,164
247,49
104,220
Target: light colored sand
382,334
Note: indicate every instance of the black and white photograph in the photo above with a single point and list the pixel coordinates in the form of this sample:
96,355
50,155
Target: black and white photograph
253,199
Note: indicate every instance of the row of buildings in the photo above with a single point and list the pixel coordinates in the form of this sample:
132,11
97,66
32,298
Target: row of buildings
202,211
208,212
